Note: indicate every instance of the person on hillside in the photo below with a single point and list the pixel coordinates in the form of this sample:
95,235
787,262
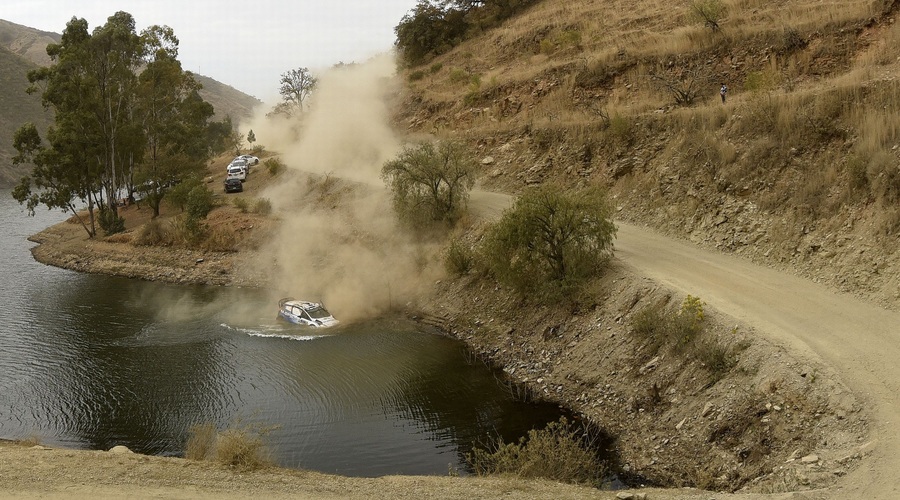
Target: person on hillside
723,91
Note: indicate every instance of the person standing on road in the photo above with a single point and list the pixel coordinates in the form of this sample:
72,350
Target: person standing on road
723,91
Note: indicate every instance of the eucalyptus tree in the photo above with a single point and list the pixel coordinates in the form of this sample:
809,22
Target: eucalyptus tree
66,170
115,95
115,56
172,116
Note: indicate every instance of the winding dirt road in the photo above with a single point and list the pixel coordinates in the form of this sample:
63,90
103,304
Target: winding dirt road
860,341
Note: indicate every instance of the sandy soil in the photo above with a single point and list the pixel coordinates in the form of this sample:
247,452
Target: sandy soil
844,339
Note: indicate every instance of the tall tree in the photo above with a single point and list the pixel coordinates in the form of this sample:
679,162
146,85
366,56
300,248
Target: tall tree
68,169
172,117
295,87
106,116
116,53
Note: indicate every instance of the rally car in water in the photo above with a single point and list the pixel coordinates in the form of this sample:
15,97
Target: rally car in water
301,312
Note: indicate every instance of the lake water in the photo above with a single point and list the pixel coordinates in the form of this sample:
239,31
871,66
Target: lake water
94,361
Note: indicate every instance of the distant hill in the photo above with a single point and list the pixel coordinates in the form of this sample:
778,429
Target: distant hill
16,108
23,49
226,100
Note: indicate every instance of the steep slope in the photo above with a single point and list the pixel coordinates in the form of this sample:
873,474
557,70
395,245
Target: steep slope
28,43
16,108
227,100
798,169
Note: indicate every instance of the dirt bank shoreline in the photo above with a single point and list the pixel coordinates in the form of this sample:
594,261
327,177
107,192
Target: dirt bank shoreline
776,423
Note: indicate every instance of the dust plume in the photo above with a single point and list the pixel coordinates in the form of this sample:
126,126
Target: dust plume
338,240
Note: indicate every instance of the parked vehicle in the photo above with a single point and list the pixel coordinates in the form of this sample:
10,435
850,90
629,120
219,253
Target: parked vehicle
301,312
240,162
250,159
233,186
236,173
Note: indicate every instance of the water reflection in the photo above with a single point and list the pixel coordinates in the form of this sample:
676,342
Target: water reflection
93,362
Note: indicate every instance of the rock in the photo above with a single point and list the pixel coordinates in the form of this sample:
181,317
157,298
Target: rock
707,409
624,495
679,425
810,459
487,160
649,366
120,449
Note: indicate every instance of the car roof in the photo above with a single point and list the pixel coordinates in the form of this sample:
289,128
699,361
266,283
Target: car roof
304,304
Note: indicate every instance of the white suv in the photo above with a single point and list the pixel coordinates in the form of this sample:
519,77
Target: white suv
237,172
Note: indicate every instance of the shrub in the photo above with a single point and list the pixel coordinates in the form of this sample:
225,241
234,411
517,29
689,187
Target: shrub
201,443
551,242
178,195
458,75
241,447
665,326
263,206
430,183
717,359
199,202
257,150
188,231
110,221
556,453
709,12
153,233
435,68
274,165
416,75
241,204
459,259
219,240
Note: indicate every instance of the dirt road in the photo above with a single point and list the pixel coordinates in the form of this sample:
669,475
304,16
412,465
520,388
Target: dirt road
860,341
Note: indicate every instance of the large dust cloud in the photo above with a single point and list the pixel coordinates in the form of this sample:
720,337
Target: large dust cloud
339,241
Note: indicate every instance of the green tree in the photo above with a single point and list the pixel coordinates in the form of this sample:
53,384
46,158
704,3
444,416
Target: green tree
551,241
69,167
251,137
172,116
106,116
115,54
57,180
295,88
430,183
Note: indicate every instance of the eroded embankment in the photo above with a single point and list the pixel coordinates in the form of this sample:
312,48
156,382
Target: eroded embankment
771,422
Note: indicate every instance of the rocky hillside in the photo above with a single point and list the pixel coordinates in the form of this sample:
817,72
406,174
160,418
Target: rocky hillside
799,168
23,49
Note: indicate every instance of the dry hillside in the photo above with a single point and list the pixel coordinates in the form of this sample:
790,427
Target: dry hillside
798,169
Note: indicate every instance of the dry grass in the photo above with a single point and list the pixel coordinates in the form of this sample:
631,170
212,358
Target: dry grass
240,446
810,125
559,452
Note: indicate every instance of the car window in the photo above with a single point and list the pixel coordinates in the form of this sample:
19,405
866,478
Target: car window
318,312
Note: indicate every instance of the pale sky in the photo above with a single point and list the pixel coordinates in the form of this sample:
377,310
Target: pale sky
247,44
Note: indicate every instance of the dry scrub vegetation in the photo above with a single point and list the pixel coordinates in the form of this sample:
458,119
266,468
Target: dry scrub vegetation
800,162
